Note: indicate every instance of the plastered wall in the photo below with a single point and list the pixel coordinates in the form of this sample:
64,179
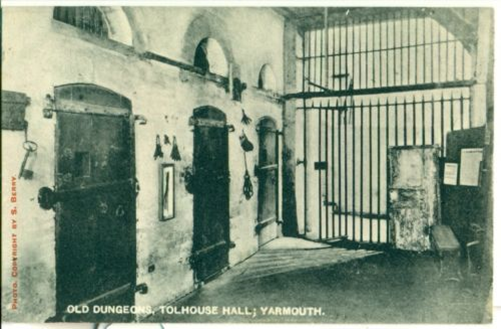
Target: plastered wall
39,53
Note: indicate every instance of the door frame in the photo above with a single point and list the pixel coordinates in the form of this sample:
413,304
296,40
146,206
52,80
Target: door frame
202,118
68,100
262,224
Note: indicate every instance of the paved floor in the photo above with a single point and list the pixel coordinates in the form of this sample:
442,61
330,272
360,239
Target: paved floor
284,255
319,283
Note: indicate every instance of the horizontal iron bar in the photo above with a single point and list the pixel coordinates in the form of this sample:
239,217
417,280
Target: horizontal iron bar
223,81
381,90
364,215
360,15
379,50
374,105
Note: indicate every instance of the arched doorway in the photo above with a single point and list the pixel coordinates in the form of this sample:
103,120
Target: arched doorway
211,232
267,172
95,194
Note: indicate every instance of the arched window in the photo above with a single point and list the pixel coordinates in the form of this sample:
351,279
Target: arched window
88,19
267,79
210,57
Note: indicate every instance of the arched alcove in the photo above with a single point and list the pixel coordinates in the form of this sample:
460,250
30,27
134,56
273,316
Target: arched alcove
119,25
208,26
210,57
267,79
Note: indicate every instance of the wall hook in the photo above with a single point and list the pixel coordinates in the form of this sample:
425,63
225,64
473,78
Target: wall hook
141,119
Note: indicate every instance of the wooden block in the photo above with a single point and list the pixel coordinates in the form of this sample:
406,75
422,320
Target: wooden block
444,239
13,110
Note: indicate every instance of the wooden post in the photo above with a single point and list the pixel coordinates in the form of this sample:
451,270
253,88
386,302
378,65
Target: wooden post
290,227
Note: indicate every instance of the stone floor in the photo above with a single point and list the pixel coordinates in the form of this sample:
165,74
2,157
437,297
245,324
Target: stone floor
334,285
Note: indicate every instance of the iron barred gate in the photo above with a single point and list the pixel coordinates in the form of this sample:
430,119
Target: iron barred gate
396,79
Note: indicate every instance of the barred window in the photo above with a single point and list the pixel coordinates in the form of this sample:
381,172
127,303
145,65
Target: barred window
88,19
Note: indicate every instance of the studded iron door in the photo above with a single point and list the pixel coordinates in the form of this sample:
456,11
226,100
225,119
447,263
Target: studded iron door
95,215
211,193
267,172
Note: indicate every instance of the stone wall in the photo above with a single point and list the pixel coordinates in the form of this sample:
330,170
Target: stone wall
39,53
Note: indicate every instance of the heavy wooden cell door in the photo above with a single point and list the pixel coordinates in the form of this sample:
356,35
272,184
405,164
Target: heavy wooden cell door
95,213
211,237
267,172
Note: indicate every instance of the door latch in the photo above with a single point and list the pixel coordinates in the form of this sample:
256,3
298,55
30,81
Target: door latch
47,198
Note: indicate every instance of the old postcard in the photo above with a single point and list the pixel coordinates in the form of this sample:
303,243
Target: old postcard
229,164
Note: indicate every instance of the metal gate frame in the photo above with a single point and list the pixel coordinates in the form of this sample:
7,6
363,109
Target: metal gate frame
415,100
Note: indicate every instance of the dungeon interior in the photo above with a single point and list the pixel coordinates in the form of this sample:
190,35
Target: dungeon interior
333,158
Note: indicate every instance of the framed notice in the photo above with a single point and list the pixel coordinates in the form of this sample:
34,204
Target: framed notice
451,174
167,200
470,167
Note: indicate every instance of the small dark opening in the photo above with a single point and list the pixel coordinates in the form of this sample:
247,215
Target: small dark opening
201,60
82,164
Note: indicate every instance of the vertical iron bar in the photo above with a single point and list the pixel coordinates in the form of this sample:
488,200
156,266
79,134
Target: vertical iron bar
352,105
405,121
424,49
396,122
333,55
339,52
320,171
314,57
327,170
423,118
359,86
413,120
442,126
386,162
373,26
432,120
401,48
333,186
447,56
378,171
469,112
395,49
305,131
380,53
326,48
408,62
455,43
359,51
416,50
462,62
345,142
361,171
324,69
432,50
370,171
339,175
387,50
451,106
353,158
366,52
321,72
439,53
461,108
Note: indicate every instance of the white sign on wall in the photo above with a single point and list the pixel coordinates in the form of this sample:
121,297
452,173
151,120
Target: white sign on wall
470,166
